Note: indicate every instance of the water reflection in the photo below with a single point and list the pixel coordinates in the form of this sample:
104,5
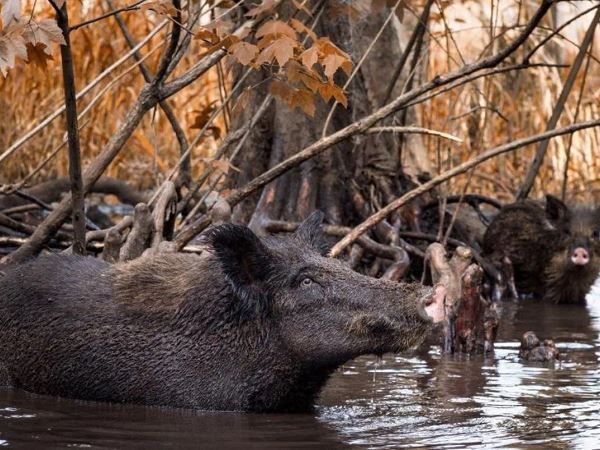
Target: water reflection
499,401
423,400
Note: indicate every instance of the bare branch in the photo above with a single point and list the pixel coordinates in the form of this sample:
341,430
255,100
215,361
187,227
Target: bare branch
78,210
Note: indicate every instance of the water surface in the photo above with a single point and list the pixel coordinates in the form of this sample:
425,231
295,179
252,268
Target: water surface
419,400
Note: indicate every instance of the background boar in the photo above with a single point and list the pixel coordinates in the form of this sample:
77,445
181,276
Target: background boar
554,249
257,325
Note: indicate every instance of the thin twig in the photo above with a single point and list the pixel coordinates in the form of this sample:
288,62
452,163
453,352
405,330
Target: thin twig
576,115
404,57
412,130
77,193
115,12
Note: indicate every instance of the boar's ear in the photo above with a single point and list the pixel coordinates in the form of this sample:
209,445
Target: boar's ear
311,232
556,210
246,262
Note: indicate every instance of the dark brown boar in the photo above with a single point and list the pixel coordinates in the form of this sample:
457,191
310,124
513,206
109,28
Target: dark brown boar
257,325
554,249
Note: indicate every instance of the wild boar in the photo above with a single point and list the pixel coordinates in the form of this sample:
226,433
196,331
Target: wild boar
257,325
554,249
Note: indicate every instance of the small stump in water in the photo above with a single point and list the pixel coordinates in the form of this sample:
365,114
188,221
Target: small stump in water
471,320
532,349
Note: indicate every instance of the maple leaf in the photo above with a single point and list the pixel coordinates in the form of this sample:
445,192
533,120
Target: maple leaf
329,90
12,46
265,6
11,10
44,32
333,62
301,28
276,27
244,52
304,100
207,36
295,72
281,49
326,47
294,98
37,55
310,57
225,43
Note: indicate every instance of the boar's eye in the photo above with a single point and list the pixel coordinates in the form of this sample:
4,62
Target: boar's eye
306,282
596,234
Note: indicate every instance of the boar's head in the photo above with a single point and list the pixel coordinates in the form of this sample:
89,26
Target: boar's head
324,312
576,260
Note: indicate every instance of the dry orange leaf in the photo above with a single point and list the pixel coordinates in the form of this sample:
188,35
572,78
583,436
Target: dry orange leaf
276,27
207,36
244,52
310,57
294,98
281,49
296,72
333,62
329,90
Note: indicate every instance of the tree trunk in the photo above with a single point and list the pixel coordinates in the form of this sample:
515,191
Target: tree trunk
352,179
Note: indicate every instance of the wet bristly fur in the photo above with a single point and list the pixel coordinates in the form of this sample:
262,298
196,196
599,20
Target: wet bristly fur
539,240
237,329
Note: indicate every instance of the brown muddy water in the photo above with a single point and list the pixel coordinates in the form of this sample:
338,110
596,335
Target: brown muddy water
421,400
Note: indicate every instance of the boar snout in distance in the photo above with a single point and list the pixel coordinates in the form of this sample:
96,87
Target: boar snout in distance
257,324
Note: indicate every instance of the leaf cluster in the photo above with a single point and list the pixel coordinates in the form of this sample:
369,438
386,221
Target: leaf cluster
304,65
29,40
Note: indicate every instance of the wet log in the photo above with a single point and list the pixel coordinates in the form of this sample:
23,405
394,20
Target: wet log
471,321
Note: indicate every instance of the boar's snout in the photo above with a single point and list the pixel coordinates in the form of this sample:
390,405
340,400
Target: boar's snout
580,256
432,308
